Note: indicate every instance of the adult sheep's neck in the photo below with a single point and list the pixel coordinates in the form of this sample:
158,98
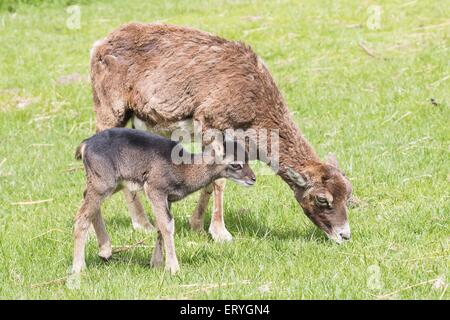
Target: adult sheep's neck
294,150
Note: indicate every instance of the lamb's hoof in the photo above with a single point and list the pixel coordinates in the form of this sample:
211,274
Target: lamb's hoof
105,258
146,228
105,252
220,234
77,269
173,269
196,224
73,281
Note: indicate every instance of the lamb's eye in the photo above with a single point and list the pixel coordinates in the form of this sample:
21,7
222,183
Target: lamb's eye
321,201
236,166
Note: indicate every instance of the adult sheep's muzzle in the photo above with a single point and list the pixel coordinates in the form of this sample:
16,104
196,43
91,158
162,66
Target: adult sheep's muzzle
340,233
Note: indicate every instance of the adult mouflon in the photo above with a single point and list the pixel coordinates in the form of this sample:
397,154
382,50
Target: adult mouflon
166,75
118,158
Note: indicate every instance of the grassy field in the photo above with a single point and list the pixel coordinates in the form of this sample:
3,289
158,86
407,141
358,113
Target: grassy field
376,94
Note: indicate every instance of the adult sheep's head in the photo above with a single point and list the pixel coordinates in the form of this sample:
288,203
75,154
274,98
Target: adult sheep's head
323,192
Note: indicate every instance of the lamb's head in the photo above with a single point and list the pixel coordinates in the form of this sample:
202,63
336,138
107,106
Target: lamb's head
234,160
240,172
323,192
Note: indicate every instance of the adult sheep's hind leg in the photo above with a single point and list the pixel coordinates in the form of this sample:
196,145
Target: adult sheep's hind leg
197,219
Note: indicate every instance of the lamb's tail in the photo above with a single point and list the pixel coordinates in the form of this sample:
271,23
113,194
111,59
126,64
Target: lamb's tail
79,153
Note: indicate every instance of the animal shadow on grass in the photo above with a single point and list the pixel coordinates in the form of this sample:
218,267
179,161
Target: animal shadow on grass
244,222
140,255
135,257
239,222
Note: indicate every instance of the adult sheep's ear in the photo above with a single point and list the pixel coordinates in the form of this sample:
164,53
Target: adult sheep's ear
297,178
111,62
331,159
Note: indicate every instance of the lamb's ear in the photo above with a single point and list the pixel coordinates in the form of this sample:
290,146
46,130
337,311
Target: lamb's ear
297,178
331,159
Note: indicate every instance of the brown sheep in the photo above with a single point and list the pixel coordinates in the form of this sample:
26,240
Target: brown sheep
167,75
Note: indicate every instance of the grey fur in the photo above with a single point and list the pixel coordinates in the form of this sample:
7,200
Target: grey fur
118,158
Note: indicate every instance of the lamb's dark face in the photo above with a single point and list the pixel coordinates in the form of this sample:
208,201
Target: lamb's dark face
323,192
240,173
236,164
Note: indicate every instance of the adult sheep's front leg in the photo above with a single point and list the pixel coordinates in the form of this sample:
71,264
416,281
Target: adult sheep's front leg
217,227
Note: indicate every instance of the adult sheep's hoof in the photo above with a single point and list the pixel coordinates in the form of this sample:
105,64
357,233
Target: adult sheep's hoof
220,234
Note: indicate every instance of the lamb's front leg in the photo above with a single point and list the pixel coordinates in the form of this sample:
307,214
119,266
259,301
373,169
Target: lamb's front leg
139,218
166,228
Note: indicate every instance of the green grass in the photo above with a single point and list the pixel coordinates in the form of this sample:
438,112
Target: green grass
375,113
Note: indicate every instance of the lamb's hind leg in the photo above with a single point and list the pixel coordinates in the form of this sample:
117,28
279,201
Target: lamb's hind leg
104,243
157,256
89,209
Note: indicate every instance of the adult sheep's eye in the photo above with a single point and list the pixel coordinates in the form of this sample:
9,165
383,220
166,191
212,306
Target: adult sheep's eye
322,201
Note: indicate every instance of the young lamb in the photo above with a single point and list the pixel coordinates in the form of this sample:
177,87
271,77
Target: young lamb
119,157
